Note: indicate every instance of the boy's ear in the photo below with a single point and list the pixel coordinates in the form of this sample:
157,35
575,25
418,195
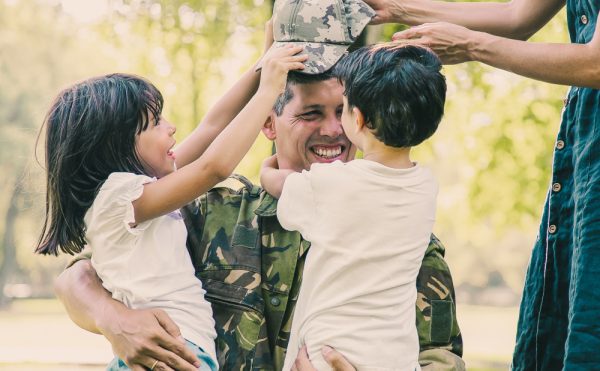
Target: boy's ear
269,127
360,118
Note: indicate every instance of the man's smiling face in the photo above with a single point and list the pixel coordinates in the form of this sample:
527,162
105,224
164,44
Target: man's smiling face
309,128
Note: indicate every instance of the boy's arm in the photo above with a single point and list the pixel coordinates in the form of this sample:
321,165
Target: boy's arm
272,178
139,337
223,112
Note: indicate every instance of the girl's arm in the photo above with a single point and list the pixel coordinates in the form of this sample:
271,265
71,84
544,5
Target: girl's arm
272,178
223,112
227,150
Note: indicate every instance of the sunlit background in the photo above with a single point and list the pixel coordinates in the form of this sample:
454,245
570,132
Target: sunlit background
491,155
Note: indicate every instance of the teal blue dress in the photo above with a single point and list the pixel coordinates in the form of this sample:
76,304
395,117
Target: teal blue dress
559,321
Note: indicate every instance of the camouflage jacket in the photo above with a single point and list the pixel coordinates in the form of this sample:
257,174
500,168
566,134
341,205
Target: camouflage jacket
251,269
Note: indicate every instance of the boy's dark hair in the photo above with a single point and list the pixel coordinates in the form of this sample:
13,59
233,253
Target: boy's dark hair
90,133
298,78
398,88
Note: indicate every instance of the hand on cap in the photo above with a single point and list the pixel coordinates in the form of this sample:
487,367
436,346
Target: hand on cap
277,63
385,11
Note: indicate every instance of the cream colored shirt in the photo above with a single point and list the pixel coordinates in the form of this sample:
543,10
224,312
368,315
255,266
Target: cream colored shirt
369,227
147,266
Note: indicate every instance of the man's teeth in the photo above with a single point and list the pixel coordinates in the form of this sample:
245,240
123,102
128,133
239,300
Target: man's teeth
328,152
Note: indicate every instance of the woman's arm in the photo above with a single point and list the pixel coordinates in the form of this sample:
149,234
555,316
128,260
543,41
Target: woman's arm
567,64
517,19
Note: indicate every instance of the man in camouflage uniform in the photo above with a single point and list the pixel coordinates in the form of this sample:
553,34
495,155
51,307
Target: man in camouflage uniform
250,267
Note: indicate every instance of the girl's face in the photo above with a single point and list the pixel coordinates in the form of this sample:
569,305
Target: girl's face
155,148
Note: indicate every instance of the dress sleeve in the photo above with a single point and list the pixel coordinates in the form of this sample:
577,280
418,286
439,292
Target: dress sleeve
113,205
296,207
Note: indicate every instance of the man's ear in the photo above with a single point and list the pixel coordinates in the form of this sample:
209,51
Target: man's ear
360,118
269,127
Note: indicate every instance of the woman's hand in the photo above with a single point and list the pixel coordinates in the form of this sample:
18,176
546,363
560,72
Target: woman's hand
452,43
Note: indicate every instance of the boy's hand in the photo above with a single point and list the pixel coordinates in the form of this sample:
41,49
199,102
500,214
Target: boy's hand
276,64
270,163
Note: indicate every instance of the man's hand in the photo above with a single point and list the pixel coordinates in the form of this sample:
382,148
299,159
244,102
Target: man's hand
452,43
334,358
147,339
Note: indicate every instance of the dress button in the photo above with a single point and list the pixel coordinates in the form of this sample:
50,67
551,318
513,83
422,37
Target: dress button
552,229
275,301
556,187
560,144
584,19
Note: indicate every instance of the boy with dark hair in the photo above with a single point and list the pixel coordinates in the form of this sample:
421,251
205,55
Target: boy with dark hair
370,220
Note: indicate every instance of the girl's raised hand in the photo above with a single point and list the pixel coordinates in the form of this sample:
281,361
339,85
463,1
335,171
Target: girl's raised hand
276,64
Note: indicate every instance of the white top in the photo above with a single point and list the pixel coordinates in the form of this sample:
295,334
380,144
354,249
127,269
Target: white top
147,266
369,226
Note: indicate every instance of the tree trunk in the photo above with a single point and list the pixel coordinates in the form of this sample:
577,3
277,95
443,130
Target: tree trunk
9,260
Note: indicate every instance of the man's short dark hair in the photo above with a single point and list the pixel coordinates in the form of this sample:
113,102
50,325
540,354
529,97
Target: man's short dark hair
398,88
298,78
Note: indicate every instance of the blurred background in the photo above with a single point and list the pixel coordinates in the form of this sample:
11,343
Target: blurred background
491,155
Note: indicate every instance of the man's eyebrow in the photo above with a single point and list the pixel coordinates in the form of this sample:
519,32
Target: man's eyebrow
313,107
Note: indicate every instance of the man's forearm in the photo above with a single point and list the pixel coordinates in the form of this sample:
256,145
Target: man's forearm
81,292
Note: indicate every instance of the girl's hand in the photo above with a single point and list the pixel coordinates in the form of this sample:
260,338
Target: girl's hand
275,66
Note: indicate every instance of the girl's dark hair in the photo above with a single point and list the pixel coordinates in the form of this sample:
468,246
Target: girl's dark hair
398,88
90,133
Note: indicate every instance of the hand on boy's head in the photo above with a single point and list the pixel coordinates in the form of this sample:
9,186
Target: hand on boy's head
276,64
447,40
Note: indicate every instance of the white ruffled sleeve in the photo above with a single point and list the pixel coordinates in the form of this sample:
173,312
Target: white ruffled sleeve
113,208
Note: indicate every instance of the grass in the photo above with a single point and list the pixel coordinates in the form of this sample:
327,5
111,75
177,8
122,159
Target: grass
37,335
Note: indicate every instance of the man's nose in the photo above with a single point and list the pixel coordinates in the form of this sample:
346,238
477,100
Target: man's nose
172,129
331,127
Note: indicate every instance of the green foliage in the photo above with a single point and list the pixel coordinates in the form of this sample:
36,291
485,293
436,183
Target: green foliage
492,153
182,47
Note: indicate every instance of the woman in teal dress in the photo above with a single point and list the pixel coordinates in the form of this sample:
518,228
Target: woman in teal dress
559,321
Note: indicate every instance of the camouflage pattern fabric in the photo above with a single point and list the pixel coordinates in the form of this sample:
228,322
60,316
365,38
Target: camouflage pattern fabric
326,28
251,269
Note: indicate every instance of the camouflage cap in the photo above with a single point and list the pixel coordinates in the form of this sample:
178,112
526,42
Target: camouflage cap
326,28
